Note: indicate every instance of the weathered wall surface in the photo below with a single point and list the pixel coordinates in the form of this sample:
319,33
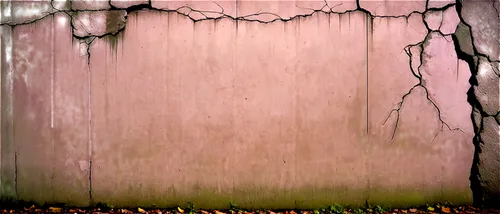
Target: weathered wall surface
275,104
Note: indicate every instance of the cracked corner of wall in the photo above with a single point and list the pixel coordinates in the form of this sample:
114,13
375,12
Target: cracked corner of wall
487,90
487,167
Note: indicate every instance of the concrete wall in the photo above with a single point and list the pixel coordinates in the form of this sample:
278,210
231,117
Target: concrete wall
275,104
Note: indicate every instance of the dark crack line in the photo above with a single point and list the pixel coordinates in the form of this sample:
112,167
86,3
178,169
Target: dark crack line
418,75
496,9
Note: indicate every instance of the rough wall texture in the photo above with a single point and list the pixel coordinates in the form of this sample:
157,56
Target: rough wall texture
274,104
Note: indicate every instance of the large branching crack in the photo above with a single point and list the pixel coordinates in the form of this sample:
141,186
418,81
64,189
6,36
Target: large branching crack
421,83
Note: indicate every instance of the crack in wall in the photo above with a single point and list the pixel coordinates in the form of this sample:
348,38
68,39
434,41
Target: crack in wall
188,12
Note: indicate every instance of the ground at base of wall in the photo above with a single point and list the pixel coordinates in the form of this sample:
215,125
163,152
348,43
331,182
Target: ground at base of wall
330,210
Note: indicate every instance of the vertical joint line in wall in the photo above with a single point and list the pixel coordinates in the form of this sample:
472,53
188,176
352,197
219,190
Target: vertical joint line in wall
236,13
368,19
89,79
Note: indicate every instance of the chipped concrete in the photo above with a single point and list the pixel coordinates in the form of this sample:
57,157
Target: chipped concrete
486,36
98,23
165,90
90,5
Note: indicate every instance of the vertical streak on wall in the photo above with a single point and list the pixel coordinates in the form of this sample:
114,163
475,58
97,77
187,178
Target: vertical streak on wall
367,165
8,162
233,107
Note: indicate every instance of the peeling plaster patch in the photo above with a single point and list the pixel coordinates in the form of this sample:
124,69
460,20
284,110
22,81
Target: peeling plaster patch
6,11
122,4
98,23
439,3
464,39
393,7
487,90
90,5
486,22
433,19
450,21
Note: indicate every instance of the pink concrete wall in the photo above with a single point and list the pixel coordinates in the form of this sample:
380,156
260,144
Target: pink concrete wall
342,105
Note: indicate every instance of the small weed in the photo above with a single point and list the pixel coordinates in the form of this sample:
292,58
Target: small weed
233,206
358,211
379,209
191,208
336,208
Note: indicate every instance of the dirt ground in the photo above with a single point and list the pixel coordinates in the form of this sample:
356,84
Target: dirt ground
330,210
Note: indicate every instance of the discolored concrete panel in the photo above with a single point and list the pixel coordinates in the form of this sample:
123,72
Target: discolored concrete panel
70,117
33,65
26,11
182,94
98,23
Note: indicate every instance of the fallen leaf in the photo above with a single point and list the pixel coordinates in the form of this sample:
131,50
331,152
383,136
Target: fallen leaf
141,210
404,211
204,212
413,210
55,209
430,209
445,209
180,210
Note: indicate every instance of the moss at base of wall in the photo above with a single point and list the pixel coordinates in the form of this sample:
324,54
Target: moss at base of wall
304,198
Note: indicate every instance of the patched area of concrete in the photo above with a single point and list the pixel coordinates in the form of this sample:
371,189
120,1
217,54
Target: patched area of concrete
98,23
63,5
464,39
25,11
